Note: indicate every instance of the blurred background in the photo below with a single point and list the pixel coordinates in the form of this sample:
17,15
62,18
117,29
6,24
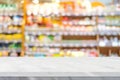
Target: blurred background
59,28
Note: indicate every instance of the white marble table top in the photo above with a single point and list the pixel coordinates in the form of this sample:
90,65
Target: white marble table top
66,67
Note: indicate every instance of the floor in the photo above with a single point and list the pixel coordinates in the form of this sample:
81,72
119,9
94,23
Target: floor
59,68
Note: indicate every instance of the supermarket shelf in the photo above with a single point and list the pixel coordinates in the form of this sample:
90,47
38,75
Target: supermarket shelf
61,33
74,33
10,31
58,29
102,33
92,14
85,14
11,14
6,41
80,23
109,46
49,31
79,44
39,53
110,24
10,23
68,45
10,49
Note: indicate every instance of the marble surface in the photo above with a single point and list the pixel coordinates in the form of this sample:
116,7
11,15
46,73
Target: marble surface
60,67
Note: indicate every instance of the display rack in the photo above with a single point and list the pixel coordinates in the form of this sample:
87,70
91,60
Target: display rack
72,34
10,29
47,28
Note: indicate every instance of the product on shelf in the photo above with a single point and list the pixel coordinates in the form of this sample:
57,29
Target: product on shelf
108,30
109,20
44,9
113,41
8,53
5,53
43,38
10,37
77,22
56,52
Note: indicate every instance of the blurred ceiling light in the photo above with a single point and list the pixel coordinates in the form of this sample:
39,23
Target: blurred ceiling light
35,1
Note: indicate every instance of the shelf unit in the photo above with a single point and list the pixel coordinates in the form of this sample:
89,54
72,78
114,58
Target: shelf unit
62,34
11,18
72,37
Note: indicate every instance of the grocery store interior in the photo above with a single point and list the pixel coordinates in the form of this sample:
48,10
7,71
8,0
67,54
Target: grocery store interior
60,28
59,39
